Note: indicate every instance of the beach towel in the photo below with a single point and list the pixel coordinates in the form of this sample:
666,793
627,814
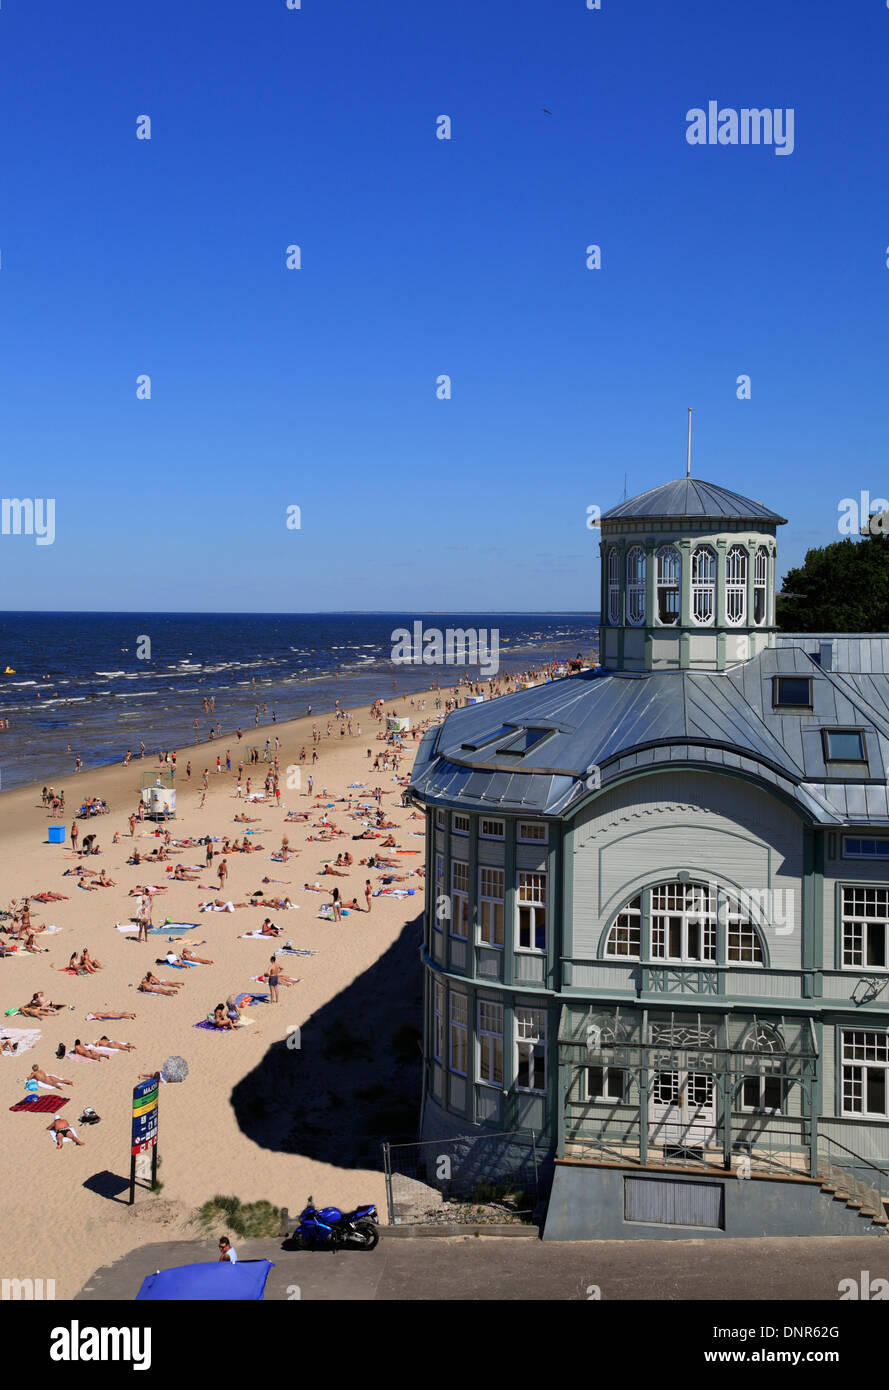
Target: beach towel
255,934
25,1037
43,1105
245,1000
294,951
66,1138
170,925
47,1086
213,1029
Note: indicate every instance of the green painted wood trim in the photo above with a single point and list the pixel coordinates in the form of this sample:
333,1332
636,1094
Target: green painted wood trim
510,902
817,911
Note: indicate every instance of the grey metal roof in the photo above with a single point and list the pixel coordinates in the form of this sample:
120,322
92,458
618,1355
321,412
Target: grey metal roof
695,499
620,722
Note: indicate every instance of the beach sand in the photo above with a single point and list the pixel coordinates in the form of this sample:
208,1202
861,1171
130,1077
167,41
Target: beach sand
65,1212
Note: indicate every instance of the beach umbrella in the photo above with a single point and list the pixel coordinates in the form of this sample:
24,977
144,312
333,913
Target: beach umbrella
174,1069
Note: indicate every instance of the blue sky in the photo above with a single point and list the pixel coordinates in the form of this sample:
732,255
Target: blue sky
316,388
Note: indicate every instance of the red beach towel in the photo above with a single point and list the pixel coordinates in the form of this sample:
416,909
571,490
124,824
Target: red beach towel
44,1106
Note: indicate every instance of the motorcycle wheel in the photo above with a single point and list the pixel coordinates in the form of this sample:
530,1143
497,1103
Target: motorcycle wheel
370,1233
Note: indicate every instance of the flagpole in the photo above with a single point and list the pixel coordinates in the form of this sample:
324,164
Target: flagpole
688,454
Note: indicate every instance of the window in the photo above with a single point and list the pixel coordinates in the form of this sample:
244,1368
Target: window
865,1058
490,1042
625,937
459,1033
668,571
491,830
439,891
792,692
460,824
683,922
703,586
854,848
763,1094
438,1022
531,909
440,819
530,1070
491,907
533,832
613,587
460,896
742,938
526,740
843,746
736,586
491,736
636,586
606,1083
760,586
865,922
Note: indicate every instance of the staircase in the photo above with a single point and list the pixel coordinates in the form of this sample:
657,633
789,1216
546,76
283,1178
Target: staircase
855,1183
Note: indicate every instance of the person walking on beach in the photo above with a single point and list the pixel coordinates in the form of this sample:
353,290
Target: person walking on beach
222,873
368,893
209,855
311,784
274,972
74,834
132,825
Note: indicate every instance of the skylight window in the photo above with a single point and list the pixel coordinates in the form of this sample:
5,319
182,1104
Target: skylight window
792,692
491,736
844,746
526,740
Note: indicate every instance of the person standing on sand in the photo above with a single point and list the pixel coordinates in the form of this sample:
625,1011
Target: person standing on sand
368,893
337,906
74,834
209,855
274,972
222,872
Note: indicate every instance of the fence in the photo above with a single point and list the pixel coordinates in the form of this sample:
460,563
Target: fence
490,1178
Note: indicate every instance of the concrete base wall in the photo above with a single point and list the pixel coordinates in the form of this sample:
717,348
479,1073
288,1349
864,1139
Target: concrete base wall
587,1203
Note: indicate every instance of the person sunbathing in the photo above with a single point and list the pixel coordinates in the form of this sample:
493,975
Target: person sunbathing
183,875
110,1042
188,954
48,1079
244,819
337,873
152,985
103,881
312,888
388,843
221,1019
268,929
88,1052
353,905
62,1131
217,905
296,815
28,943
47,897
107,1015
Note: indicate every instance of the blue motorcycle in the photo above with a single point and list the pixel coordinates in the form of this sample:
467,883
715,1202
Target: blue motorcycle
328,1228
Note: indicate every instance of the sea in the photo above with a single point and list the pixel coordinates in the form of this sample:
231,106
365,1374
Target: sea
95,685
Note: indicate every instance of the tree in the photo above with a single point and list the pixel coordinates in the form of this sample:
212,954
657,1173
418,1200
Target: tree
843,587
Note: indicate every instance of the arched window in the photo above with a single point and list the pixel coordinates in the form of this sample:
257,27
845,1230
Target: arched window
760,586
736,586
613,586
636,586
669,567
703,586
682,925
625,937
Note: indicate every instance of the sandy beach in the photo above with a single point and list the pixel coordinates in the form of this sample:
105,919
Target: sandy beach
64,1211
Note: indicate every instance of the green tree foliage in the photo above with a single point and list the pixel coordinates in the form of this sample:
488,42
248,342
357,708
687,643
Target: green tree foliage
843,587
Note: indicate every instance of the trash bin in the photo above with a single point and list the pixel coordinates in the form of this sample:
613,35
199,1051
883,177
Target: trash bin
56,834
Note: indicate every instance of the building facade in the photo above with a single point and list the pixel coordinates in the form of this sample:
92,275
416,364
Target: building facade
657,914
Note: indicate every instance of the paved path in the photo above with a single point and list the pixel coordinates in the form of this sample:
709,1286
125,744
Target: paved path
467,1267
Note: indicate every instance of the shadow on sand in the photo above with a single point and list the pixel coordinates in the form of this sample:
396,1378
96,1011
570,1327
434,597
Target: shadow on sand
355,1078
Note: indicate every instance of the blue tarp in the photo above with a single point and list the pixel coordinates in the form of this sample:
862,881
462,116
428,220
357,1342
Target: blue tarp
215,1280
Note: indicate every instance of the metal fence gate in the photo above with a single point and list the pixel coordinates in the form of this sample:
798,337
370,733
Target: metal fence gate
488,1178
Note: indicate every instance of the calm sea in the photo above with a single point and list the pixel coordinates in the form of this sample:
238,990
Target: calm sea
78,678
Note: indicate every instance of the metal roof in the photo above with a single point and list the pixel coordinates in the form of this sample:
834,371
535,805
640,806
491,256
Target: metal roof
694,499
621,723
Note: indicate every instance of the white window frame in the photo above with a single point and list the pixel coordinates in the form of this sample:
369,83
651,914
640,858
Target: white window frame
438,1032
859,924
536,907
614,587
667,560
460,900
530,1031
490,1042
606,1071
736,562
698,908
623,932
703,586
876,1040
484,834
458,1032
636,591
459,829
761,584
525,839
489,919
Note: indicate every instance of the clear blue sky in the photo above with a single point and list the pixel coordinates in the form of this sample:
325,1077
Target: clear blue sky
316,388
